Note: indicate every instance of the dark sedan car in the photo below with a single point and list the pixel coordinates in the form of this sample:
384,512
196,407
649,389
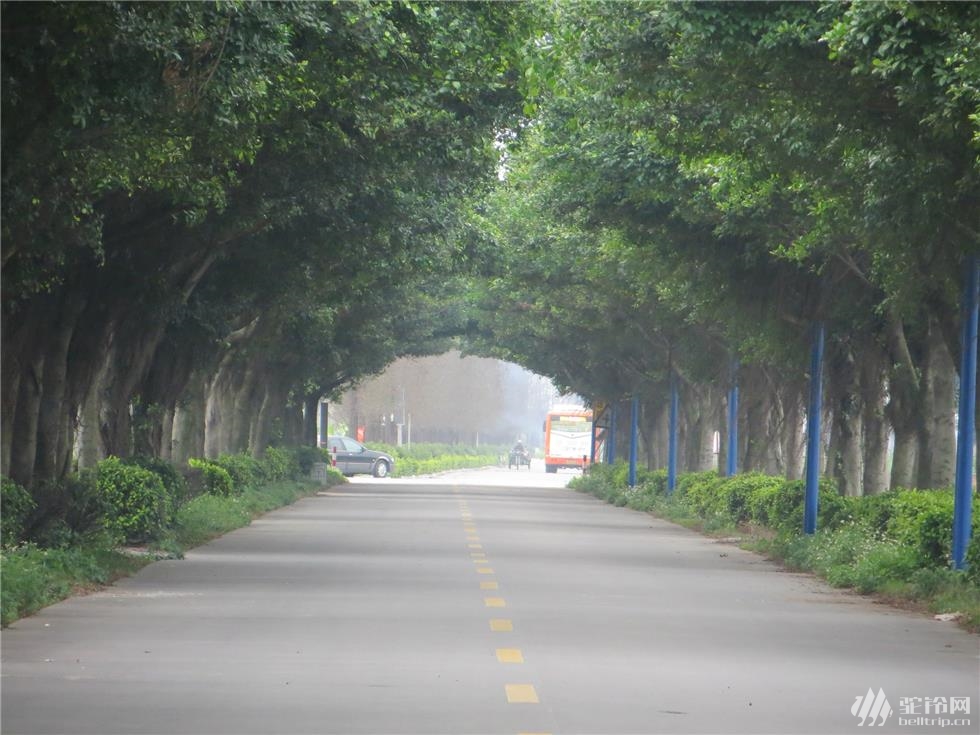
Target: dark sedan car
353,458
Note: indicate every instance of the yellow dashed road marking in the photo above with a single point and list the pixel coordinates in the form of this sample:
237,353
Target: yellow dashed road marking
521,694
484,570
472,538
489,586
495,601
474,546
510,656
501,625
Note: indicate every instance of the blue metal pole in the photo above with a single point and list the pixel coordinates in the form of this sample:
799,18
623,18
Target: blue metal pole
672,439
963,503
634,438
732,464
611,445
811,497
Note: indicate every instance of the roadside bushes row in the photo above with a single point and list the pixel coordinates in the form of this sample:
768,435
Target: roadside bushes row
425,459
136,500
864,542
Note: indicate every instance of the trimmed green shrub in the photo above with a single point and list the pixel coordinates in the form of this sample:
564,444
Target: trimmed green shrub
217,481
434,450
973,553
16,506
245,470
306,457
781,507
137,505
875,512
701,492
739,491
923,520
168,473
279,464
88,509
424,459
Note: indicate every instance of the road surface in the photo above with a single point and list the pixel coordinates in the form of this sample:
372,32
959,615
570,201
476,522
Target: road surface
488,601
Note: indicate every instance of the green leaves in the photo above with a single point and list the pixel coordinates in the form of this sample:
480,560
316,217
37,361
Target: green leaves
720,174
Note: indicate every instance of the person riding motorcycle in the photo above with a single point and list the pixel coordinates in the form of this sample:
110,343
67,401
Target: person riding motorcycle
519,454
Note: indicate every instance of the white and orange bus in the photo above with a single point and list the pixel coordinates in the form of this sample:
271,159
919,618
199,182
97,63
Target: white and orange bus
567,437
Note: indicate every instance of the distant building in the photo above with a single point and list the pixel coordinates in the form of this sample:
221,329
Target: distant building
448,399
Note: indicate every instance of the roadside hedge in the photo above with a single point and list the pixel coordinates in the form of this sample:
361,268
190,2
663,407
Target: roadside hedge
16,506
429,458
217,480
137,505
134,500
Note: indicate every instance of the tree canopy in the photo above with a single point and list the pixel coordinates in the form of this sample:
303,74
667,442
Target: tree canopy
705,180
215,213
221,209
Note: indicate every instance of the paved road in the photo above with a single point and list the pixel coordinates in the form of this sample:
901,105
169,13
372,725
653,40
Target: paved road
480,602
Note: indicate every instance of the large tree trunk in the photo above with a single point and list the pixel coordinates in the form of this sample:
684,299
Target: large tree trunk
700,407
165,449
166,380
133,345
793,435
188,434
756,434
661,434
293,429
903,404
23,455
845,458
8,409
219,407
246,401
270,409
21,378
937,436
904,456
89,449
55,419
311,409
876,429
773,462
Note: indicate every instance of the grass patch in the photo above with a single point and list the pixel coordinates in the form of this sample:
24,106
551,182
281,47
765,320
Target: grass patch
209,516
34,577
